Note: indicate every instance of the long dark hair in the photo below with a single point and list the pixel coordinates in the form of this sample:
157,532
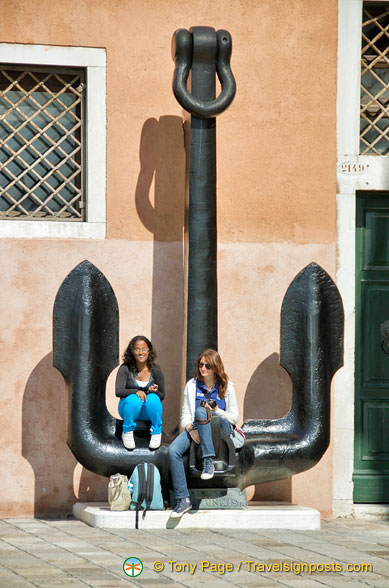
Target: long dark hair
129,357
215,361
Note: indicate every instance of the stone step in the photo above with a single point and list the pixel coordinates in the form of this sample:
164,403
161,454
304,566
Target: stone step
258,515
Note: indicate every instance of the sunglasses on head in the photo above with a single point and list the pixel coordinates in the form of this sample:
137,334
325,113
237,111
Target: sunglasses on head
206,365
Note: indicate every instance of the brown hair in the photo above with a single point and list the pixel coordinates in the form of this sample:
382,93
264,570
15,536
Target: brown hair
215,361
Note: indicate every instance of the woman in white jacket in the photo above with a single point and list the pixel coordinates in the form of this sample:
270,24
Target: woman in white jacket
209,389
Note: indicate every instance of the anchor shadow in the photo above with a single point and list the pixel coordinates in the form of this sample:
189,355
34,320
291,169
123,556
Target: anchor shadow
44,415
162,169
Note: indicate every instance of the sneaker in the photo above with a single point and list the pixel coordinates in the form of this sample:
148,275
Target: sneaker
155,441
208,469
128,440
182,506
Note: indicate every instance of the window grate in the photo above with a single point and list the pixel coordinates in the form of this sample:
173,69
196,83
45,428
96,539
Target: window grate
374,128
41,143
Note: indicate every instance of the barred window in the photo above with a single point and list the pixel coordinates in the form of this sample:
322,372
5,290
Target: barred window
41,143
374,128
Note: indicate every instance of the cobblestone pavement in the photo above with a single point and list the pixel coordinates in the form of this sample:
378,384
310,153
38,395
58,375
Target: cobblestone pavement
66,552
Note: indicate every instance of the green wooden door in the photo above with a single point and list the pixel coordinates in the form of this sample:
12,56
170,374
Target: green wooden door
371,460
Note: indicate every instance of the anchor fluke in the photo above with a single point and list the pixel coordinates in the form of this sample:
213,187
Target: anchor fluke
85,322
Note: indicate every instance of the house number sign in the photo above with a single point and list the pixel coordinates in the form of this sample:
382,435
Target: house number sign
352,169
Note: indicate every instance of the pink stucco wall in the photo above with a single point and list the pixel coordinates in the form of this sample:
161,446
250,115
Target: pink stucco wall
276,213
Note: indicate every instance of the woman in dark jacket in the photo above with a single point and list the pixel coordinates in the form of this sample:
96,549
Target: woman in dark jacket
141,388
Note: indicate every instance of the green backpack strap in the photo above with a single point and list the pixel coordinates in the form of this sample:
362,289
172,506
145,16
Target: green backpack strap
141,493
149,487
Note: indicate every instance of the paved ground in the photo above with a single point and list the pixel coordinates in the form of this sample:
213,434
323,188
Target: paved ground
68,553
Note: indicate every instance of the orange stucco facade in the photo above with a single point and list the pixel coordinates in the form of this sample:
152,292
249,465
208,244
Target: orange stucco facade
276,150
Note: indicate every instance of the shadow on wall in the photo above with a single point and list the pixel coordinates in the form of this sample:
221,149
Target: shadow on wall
44,444
163,160
269,396
269,391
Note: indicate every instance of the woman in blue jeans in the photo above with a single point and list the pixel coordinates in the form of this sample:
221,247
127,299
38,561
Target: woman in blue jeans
141,388
210,383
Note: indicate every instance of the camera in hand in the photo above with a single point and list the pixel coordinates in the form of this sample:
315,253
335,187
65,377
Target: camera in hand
211,403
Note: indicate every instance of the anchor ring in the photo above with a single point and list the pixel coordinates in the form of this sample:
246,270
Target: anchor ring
182,50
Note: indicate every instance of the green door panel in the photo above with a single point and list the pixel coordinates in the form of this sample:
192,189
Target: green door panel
375,311
376,253
371,458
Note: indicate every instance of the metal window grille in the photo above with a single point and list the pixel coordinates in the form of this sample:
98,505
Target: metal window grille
374,128
41,143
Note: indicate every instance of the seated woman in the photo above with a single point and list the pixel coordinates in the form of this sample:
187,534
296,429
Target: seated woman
210,384
140,386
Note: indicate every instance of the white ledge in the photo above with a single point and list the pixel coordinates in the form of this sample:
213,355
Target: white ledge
51,229
261,515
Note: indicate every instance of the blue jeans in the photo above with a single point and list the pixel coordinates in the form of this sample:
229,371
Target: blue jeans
132,409
181,445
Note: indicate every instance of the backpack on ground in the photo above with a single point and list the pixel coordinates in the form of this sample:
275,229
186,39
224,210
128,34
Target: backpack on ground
146,490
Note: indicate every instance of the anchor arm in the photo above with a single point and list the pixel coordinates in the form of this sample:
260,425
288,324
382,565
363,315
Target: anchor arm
311,352
85,351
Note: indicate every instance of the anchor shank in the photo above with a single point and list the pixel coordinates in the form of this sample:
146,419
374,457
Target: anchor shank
202,264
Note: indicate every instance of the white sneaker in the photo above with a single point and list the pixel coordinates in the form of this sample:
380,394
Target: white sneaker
128,440
155,441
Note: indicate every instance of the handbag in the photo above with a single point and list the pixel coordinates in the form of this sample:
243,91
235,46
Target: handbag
237,437
119,495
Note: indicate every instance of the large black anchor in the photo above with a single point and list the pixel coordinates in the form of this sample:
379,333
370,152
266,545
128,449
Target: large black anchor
86,320
85,351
